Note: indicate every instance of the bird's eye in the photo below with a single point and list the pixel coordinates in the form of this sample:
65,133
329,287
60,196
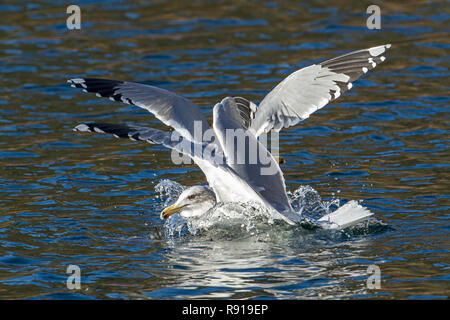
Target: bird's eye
192,196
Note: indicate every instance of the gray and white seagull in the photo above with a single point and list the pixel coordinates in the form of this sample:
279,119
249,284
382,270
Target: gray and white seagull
291,101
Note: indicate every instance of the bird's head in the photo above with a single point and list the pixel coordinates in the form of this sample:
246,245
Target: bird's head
192,202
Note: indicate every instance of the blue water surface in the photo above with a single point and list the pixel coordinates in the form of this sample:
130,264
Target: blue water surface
89,200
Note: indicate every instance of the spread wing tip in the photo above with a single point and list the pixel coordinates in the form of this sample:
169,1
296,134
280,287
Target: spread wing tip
311,88
101,87
120,131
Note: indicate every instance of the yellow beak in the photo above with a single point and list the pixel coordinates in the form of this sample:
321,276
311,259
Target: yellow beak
170,210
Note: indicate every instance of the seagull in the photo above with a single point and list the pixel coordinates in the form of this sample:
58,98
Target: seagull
261,180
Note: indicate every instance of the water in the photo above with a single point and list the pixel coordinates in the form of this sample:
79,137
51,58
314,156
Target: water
90,200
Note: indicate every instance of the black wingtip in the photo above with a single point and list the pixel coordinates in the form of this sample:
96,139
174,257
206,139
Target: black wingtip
101,87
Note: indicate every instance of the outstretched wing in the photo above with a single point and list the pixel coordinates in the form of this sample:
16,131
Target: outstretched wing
311,88
204,152
134,133
172,109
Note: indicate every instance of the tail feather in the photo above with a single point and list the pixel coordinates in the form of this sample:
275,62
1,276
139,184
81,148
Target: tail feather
348,215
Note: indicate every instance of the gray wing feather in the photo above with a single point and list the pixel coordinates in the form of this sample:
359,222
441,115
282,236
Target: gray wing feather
256,166
172,109
171,140
311,88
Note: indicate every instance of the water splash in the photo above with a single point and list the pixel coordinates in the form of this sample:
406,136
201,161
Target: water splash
242,220
308,201
170,189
